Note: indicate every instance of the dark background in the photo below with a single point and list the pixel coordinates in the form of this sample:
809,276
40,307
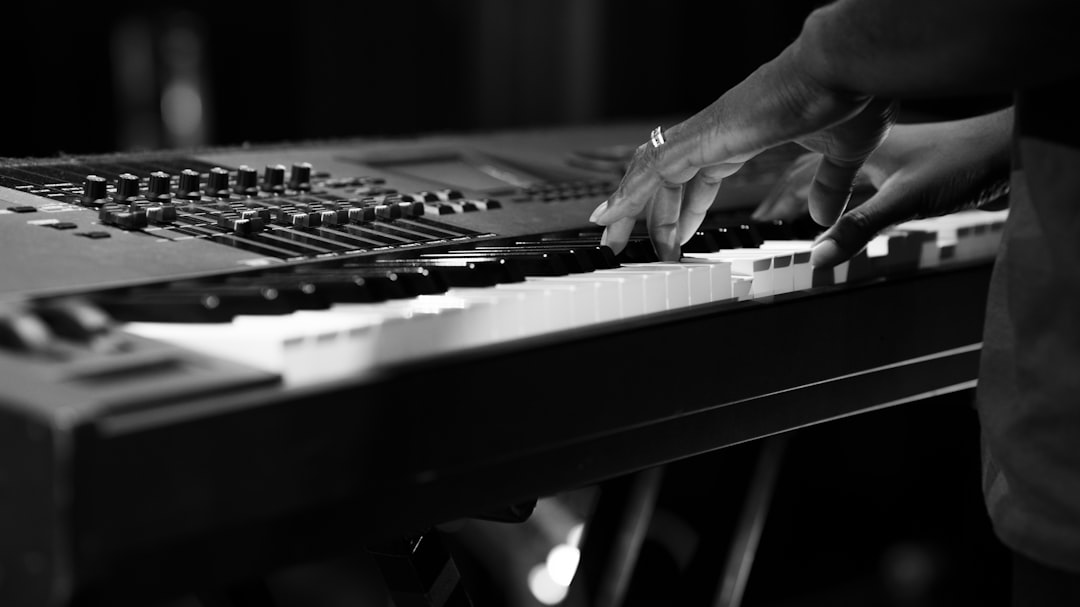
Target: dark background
90,77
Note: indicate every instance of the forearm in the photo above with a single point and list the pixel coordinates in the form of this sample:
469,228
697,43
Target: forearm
926,48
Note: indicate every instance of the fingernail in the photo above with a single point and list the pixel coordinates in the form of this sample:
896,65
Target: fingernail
598,212
825,254
604,239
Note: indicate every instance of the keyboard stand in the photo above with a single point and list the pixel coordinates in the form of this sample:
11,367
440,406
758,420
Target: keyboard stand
621,516
420,572
612,539
751,522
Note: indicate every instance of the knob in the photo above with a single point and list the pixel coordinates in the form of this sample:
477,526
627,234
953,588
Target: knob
274,179
247,180
300,178
189,184
94,190
127,187
160,186
218,183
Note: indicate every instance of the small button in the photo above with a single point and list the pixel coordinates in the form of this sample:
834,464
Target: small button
95,189
217,184
300,176
247,180
22,209
63,225
127,187
189,184
160,187
96,235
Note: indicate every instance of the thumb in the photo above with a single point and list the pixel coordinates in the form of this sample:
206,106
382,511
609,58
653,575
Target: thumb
854,229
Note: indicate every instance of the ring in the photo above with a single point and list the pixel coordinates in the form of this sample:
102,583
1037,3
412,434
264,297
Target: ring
657,137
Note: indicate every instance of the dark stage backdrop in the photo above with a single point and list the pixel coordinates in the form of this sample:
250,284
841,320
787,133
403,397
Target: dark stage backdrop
99,77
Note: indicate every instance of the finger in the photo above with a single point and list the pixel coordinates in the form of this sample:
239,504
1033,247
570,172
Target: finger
651,166
617,234
831,188
663,221
698,196
894,203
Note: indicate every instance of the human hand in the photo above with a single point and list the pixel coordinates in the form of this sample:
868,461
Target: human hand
921,170
789,197
672,185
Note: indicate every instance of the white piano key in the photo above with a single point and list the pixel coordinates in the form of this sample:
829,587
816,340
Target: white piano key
720,272
754,263
556,311
701,277
677,281
512,309
606,292
650,287
740,287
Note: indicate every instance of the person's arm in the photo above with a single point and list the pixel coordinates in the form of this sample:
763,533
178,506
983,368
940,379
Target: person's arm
832,90
936,48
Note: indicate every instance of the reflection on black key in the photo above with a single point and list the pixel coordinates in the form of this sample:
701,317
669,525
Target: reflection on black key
703,241
256,297
638,250
461,272
577,260
601,256
162,306
531,264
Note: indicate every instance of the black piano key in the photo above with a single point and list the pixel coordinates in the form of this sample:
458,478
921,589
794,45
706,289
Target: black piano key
703,241
531,264
170,307
459,272
577,259
638,250
748,235
412,280
257,297
775,230
601,256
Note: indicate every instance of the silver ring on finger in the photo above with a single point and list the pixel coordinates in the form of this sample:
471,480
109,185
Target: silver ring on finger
657,137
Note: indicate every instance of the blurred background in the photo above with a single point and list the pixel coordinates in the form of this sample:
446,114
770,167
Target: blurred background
108,76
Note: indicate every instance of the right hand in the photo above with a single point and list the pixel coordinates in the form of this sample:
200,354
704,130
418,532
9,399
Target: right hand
921,170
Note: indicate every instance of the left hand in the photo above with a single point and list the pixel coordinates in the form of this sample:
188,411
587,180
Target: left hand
672,185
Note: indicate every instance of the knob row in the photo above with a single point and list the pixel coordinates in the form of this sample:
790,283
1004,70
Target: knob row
189,184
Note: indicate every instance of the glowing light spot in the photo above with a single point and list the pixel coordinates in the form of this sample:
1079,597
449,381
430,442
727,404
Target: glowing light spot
545,589
574,537
562,563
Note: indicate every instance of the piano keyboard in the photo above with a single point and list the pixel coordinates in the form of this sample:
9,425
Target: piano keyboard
183,345
313,324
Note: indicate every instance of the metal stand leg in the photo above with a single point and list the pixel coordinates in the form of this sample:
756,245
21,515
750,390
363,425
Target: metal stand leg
751,522
420,572
612,539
